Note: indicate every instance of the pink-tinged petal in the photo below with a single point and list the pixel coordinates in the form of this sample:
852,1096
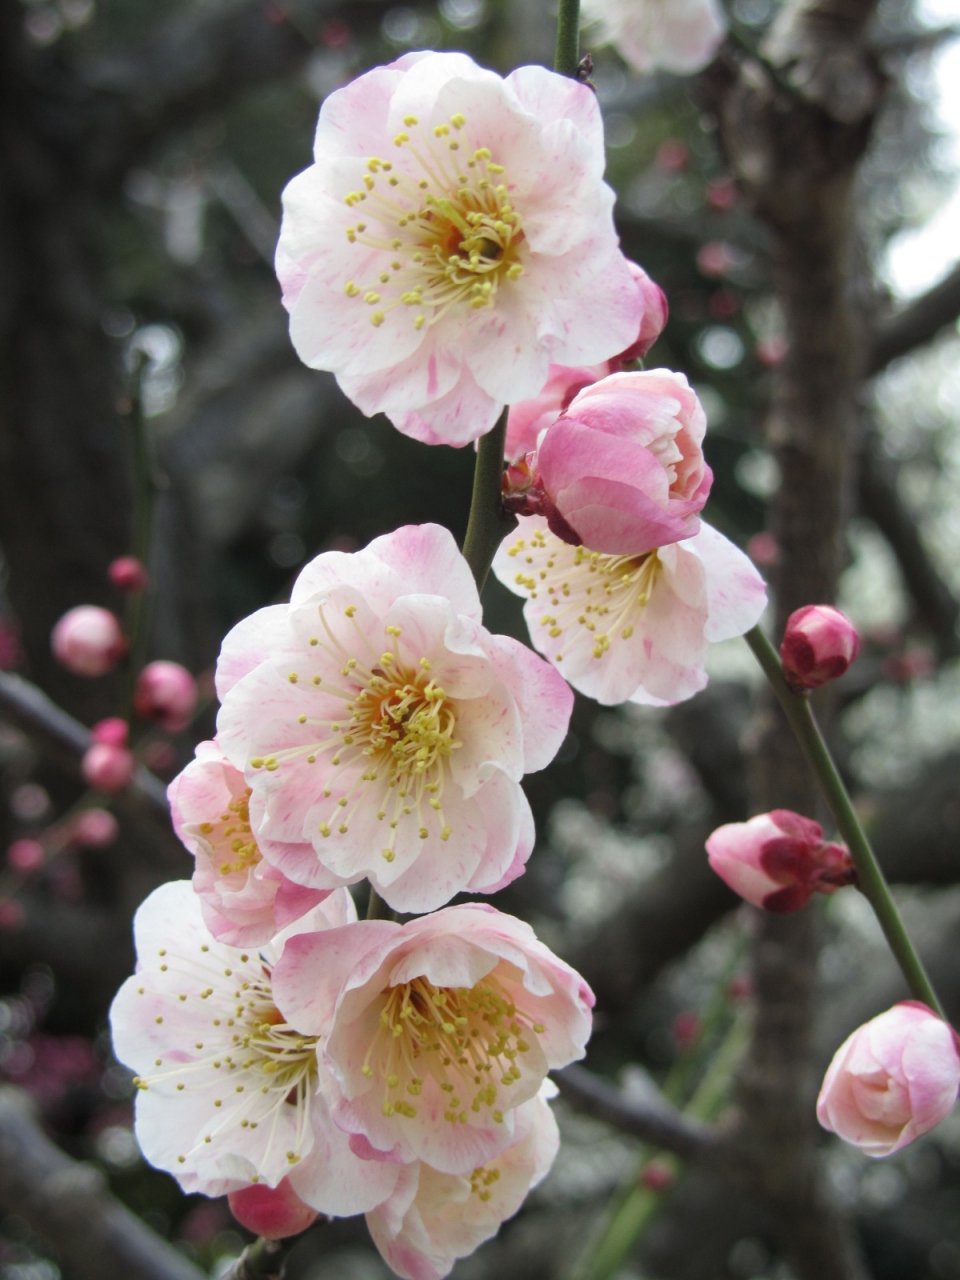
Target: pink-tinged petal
736,593
458,418
513,799
543,698
491,733
586,302
272,1212
247,644
428,560
550,98
309,977
528,418
503,348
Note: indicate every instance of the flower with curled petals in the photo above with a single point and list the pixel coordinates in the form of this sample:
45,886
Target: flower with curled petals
454,238
383,731
432,1218
893,1079
631,628
245,900
231,1090
439,1029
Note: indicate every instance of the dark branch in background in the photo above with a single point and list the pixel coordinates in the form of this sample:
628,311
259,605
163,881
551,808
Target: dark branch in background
936,605
660,1124
199,63
918,323
67,1204
31,708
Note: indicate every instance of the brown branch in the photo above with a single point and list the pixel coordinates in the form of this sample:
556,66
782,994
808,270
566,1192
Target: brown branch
658,1124
916,324
31,708
937,607
68,1204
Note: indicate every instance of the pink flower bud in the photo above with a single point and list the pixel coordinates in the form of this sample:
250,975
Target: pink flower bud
113,731
778,860
658,1176
623,466
12,914
166,692
819,644
88,641
655,313
272,1212
686,1028
94,829
528,418
108,768
129,574
25,856
892,1080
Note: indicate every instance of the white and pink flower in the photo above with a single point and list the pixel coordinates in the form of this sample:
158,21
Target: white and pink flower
452,240
383,731
670,35
230,1090
631,628
894,1079
245,900
432,1218
439,1030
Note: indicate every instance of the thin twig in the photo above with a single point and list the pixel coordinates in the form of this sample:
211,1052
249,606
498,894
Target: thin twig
662,1126
488,523
262,1260
31,708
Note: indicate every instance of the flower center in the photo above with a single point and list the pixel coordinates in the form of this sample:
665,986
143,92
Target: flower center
443,221
252,1059
390,746
230,840
594,598
467,1039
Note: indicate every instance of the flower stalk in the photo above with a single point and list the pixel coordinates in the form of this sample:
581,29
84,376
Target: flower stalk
871,881
144,491
488,523
567,56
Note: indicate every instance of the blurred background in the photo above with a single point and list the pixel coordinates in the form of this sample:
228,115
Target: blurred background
144,149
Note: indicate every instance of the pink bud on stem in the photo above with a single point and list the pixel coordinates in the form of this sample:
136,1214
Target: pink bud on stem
819,644
128,574
779,860
272,1212
167,693
108,768
88,641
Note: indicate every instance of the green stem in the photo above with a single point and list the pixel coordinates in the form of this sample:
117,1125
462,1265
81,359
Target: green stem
567,56
377,909
488,524
261,1260
871,881
144,491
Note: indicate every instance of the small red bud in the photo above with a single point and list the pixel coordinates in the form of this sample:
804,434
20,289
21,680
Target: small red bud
88,641
129,574
108,768
658,1176
112,732
272,1212
25,856
166,692
94,829
686,1028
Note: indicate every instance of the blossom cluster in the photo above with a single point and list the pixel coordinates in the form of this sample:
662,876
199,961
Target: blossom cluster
450,252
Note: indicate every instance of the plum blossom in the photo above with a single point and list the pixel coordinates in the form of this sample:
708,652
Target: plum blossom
439,1029
383,731
670,35
244,900
631,628
622,467
432,1218
527,419
894,1079
819,644
230,1091
779,860
454,238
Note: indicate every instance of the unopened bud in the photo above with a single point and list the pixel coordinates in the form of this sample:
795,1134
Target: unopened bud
108,768
166,692
819,644
658,1176
655,314
129,574
25,856
94,829
88,640
272,1212
778,860
113,731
